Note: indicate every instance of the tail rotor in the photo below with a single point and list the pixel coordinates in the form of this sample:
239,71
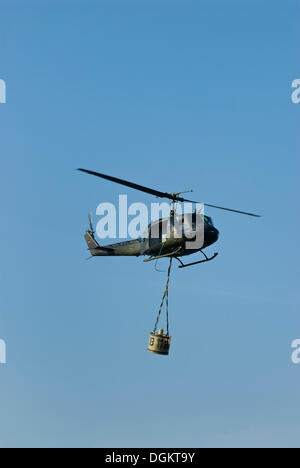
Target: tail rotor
91,225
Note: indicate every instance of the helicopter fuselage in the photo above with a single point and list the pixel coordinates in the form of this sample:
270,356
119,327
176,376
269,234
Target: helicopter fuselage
159,245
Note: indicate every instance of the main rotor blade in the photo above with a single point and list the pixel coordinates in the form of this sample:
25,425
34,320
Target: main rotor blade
157,193
233,211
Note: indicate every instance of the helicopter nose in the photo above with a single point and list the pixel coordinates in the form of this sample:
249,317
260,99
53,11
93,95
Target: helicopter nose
215,234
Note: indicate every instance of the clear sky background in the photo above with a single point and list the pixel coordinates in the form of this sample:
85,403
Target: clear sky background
173,95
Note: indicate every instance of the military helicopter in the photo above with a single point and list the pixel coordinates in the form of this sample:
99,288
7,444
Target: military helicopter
160,246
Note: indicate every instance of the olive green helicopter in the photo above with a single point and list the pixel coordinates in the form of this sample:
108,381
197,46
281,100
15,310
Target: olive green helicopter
158,246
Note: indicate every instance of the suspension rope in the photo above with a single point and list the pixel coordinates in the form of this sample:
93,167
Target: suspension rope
165,296
160,251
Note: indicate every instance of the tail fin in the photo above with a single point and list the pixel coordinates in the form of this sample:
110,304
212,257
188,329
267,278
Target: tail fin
90,237
91,242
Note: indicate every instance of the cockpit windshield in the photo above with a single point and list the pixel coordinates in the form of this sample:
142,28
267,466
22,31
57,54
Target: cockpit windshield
209,221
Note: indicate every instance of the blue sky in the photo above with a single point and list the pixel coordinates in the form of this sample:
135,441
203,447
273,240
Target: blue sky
173,95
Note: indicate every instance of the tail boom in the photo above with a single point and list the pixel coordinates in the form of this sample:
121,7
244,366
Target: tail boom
128,248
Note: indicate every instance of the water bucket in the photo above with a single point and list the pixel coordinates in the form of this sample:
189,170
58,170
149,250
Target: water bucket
159,343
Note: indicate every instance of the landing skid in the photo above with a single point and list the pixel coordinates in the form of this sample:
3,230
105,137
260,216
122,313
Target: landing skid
207,259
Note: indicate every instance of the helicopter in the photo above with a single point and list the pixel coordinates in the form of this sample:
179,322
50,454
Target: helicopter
160,246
